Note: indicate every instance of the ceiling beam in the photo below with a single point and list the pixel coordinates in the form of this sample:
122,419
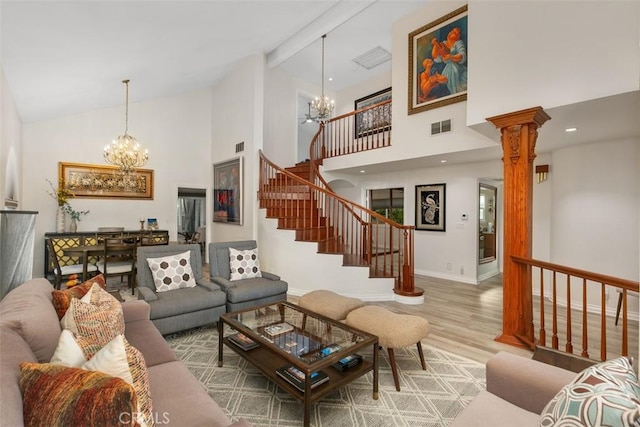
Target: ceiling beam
337,15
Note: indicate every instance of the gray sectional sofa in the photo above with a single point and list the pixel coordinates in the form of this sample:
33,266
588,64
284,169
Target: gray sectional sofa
29,332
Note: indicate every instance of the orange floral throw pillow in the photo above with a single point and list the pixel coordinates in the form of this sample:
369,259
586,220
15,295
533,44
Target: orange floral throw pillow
62,298
54,395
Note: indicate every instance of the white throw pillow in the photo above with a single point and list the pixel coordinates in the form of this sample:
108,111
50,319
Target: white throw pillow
172,272
244,264
120,359
68,352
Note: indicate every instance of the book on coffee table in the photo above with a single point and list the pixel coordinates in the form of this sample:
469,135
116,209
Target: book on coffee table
296,377
243,341
278,328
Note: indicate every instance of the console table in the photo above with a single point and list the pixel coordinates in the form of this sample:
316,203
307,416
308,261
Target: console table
88,238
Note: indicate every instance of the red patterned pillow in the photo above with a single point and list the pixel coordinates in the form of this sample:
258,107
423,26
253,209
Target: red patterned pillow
62,298
54,395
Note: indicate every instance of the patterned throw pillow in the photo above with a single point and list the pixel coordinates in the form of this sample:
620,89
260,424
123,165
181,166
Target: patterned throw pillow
172,272
62,298
120,359
97,317
606,394
244,264
54,395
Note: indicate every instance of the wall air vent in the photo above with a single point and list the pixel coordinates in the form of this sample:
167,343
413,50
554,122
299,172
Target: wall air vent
240,147
441,127
372,58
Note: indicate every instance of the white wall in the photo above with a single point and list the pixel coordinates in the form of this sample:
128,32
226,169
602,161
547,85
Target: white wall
10,146
176,130
570,49
595,201
237,116
458,245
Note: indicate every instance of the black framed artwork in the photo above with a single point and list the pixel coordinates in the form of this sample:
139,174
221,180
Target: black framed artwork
431,207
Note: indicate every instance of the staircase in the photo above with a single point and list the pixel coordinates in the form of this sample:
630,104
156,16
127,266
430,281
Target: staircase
302,201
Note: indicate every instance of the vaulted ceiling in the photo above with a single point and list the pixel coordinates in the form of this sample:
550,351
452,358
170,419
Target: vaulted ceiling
63,57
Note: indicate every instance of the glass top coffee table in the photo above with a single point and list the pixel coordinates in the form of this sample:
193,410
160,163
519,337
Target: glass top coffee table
306,354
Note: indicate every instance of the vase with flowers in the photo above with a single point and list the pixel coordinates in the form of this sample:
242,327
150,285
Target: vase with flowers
74,215
61,195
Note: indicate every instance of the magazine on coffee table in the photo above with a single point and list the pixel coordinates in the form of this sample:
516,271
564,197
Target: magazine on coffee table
296,377
243,341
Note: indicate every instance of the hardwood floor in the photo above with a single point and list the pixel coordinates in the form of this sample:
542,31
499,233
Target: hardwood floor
464,319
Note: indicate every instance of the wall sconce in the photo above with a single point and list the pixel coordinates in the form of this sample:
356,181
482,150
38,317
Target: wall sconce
541,173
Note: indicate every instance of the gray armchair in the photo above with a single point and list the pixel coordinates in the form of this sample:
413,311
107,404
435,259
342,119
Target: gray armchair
179,309
245,293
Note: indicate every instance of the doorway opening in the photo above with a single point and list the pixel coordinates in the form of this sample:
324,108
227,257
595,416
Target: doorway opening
487,218
192,216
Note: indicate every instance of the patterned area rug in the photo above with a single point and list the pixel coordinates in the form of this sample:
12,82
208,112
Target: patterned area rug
427,398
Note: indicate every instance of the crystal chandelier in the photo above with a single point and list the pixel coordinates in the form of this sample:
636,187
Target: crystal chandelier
322,106
126,151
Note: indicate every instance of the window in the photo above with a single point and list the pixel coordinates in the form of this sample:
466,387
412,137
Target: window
388,202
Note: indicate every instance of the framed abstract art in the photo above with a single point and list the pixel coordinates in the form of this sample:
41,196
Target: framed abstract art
227,191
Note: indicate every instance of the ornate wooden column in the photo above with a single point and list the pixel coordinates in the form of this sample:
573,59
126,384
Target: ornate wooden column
519,131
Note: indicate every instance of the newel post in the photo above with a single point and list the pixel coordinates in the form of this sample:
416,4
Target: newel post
519,131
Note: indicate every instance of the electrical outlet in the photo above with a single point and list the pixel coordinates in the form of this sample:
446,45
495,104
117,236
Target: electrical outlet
448,266
461,269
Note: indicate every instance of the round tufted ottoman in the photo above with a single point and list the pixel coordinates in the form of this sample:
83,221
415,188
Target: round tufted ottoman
393,331
329,304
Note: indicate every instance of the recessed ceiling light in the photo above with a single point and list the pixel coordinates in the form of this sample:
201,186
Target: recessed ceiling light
443,161
362,171
330,79
571,129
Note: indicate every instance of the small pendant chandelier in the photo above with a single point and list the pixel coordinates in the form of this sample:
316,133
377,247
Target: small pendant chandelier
322,106
126,151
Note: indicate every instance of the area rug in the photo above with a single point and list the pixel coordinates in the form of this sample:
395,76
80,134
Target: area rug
430,398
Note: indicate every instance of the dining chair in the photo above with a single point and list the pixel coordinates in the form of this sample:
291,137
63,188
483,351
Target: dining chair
64,266
153,239
620,296
118,259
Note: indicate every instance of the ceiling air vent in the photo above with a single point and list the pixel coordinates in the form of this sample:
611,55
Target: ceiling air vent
373,58
441,127
240,147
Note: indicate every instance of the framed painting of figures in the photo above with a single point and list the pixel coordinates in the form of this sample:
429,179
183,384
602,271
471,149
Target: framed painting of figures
438,62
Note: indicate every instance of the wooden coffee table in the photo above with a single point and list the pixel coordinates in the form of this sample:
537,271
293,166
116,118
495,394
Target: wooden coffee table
287,335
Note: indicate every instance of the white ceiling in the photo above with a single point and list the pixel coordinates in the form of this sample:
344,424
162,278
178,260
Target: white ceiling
65,57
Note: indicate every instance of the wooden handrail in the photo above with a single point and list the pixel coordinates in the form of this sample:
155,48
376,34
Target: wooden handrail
340,224
588,280
361,130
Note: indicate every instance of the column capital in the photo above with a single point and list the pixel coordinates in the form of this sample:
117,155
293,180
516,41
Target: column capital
530,115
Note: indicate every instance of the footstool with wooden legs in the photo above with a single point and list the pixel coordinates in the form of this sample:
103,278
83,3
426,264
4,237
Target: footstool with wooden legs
329,304
393,331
